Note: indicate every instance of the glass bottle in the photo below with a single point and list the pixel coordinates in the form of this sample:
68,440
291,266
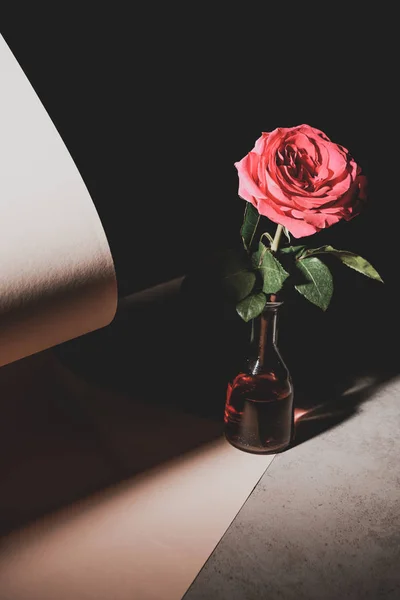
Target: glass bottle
259,413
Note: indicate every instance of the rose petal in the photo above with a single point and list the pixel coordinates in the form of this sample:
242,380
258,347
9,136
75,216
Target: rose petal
259,146
276,191
323,171
312,131
248,188
340,187
297,227
310,202
321,220
337,161
302,142
262,173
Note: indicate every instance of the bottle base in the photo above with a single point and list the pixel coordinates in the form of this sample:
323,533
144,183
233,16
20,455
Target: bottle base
257,450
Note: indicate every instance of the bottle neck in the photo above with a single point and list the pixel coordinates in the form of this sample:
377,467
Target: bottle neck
264,335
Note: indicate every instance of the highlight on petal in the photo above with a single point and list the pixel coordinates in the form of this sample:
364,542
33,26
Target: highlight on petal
262,173
302,142
337,162
321,220
248,187
259,146
313,132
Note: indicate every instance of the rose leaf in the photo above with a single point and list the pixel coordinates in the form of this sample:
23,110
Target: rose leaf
318,285
354,261
251,307
238,283
249,226
272,272
296,250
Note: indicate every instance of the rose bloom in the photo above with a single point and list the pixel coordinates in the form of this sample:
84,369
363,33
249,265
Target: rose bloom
298,178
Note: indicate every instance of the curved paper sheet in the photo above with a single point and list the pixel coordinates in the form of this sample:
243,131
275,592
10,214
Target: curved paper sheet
57,278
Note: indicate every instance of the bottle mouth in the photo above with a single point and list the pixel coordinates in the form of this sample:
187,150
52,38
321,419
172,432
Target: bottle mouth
272,305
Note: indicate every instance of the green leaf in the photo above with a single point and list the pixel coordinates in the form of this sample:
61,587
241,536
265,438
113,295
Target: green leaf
272,272
233,273
354,261
318,287
249,226
297,250
226,276
238,285
252,306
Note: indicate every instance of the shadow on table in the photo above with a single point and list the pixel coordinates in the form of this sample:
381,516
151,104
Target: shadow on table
96,411
340,359
317,418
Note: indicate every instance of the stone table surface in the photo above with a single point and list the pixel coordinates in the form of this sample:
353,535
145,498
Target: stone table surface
324,521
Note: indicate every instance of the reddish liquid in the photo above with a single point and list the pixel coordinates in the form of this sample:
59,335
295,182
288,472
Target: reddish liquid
259,413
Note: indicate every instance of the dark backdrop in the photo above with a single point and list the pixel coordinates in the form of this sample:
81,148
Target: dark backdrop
156,105
155,108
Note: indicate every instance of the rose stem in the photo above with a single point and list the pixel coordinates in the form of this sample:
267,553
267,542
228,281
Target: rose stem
274,248
277,238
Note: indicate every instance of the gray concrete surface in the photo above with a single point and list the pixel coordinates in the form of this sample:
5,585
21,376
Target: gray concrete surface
324,521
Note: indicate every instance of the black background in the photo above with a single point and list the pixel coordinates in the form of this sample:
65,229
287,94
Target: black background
156,105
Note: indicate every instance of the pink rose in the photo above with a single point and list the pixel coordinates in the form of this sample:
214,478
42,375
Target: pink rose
298,178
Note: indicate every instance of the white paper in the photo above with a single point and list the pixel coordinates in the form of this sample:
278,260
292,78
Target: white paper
146,540
143,539
57,278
